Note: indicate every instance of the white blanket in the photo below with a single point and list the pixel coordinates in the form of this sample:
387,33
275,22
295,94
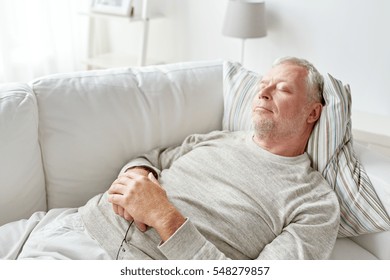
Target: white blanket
57,234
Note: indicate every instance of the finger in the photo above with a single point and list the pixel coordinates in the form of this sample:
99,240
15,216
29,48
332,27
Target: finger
127,216
115,199
132,175
121,211
117,188
141,226
115,208
137,170
123,180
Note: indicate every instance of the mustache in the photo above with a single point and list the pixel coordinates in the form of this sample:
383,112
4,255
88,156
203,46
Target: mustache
264,107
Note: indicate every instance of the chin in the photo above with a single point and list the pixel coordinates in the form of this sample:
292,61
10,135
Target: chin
263,127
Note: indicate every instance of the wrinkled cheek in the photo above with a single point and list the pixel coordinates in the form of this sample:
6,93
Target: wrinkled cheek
291,115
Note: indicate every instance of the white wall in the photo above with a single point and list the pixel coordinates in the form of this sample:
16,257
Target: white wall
348,38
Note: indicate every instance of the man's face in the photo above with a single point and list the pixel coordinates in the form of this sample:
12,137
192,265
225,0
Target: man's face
279,108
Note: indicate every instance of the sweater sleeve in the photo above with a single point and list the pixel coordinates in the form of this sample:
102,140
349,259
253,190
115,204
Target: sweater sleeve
197,247
311,235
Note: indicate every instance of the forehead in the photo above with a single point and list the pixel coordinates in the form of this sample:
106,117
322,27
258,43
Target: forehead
287,72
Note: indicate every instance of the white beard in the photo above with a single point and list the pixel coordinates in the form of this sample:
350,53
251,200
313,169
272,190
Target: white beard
263,128
268,128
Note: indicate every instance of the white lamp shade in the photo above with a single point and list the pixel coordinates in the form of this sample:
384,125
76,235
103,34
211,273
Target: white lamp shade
245,19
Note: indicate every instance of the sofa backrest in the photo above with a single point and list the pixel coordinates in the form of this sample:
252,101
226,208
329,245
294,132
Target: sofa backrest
91,123
22,184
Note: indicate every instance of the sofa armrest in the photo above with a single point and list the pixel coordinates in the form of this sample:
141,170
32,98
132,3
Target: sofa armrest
346,249
22,184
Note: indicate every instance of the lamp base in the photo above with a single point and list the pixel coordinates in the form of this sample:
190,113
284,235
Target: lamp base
242,51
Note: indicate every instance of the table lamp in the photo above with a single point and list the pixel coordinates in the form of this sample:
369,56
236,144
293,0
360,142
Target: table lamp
245,19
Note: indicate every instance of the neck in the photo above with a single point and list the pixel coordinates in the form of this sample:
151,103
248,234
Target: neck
289,147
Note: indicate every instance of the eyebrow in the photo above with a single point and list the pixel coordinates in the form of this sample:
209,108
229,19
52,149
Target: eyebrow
277,81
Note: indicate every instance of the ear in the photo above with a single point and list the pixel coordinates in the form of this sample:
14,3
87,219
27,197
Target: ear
315,112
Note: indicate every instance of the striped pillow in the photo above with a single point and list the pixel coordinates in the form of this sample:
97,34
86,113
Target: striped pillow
239,89
330,148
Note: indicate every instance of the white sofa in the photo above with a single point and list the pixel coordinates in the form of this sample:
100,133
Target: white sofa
65,137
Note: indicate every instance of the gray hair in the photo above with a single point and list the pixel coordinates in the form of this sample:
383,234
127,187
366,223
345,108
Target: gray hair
314,80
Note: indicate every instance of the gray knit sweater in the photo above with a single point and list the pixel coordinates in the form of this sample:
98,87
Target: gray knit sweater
241,202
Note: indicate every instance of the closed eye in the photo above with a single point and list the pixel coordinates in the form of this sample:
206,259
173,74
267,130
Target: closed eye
284,88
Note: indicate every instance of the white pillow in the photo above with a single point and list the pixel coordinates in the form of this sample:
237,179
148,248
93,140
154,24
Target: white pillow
330,148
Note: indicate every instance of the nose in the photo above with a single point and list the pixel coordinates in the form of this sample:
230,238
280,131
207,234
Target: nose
265,92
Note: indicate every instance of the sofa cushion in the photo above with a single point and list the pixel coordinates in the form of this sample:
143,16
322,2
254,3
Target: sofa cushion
93,122
22,189
330,148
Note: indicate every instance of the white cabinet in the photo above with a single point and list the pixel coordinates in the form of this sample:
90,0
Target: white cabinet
115,59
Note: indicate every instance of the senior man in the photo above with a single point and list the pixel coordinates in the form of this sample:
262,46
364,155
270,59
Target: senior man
223,195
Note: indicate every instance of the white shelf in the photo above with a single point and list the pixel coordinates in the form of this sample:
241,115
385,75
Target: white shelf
113,60
137,18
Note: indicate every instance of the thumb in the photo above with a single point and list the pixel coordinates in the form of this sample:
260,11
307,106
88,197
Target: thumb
152,178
